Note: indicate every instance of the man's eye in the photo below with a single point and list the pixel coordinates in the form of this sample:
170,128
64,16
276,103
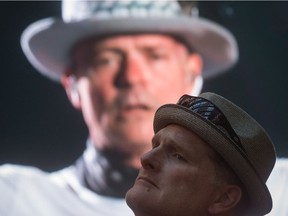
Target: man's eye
179,157
156,56
101,62
106,59
155,145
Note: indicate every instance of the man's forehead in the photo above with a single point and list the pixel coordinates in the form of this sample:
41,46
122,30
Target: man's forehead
194,147
180,136
138,40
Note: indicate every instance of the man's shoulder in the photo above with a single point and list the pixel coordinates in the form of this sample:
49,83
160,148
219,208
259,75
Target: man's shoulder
278,178
13,176
29,186
12,170
277,184
282,163
280,169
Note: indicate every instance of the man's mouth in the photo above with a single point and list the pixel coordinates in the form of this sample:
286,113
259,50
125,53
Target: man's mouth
146,181
133,111
136,107
133,104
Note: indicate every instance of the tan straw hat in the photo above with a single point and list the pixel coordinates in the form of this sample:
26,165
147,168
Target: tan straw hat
47,43
230,131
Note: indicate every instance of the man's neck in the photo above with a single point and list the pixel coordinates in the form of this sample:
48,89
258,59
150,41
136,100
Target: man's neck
105,172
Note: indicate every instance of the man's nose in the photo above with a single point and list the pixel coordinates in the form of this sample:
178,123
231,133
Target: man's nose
133,71
151,160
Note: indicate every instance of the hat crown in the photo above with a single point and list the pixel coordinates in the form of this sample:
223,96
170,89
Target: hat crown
255,141
76,10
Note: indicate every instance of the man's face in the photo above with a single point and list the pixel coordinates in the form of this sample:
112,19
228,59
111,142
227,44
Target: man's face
121,82
177,176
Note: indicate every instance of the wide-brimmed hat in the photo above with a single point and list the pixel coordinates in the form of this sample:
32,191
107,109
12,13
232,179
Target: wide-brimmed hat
47,43
231,132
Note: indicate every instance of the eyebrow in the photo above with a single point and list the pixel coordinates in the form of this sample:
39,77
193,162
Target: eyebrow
171,143
108,49
151,45
153,140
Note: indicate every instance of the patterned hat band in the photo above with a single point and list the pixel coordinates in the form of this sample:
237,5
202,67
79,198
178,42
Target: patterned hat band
210,112
79,10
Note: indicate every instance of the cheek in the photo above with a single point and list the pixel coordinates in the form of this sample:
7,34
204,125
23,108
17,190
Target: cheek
180,193
99,87
169,92
187,180
101,83
170,84
171,72
192,192
180,179
93,99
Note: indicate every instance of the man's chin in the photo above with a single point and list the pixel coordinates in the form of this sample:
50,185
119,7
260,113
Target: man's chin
134,138
134,115
139,123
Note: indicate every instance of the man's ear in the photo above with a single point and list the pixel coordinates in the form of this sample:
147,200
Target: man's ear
193,69
226,199
69,82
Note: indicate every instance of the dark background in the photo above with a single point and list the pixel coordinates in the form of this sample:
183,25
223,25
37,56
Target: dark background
39,127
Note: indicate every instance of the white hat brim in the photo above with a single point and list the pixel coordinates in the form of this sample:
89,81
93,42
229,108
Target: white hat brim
47,43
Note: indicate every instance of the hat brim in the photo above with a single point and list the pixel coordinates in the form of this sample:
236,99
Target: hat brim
259,197
47,43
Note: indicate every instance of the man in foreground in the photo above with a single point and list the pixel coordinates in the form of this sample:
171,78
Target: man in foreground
208,157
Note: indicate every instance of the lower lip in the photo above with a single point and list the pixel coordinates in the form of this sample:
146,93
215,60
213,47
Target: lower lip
145,182
134,111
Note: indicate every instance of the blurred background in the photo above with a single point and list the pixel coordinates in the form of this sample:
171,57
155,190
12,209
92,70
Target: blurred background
39,127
